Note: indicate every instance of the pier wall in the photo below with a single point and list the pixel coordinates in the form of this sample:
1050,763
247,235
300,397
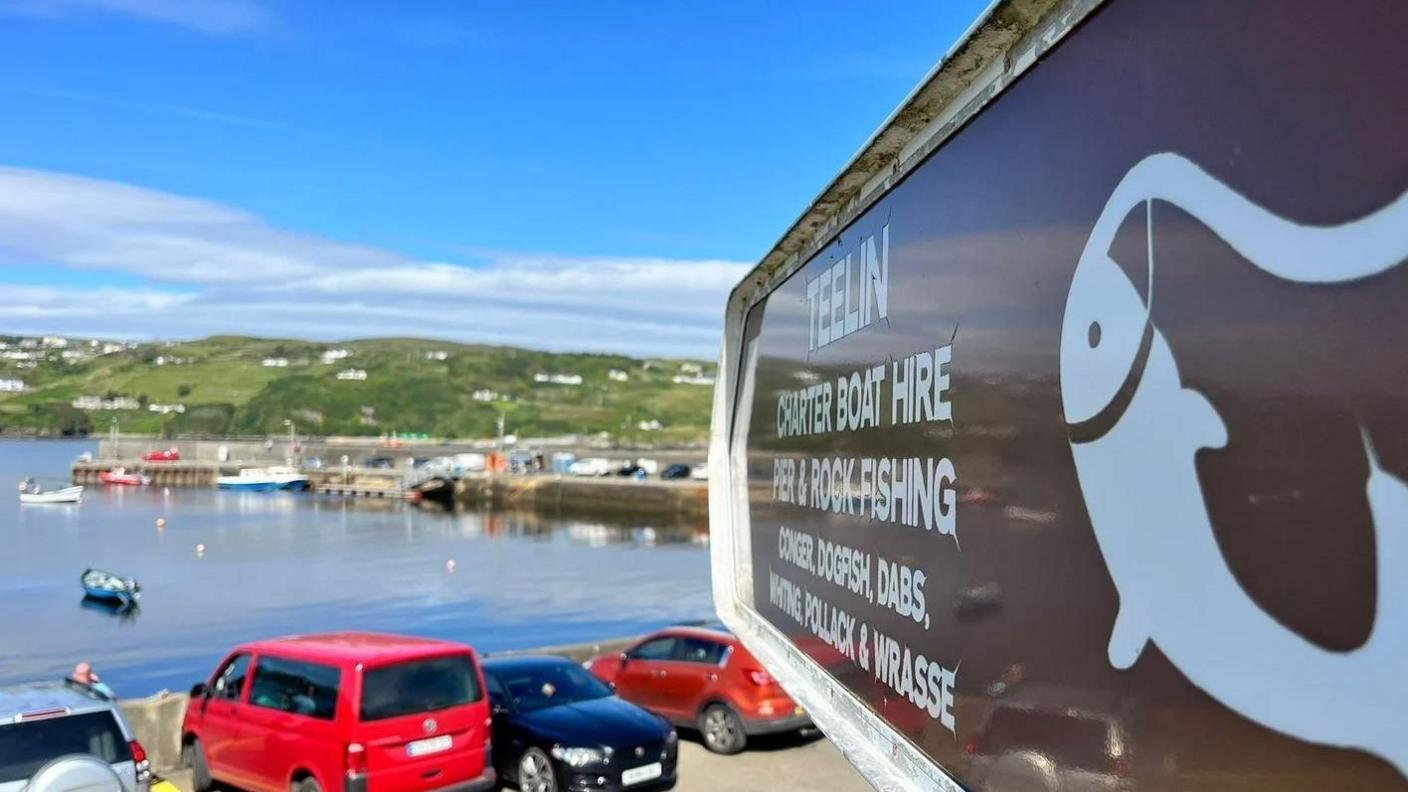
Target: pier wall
567,496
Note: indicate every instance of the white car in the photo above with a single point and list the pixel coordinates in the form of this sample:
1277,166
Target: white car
592,466
59,736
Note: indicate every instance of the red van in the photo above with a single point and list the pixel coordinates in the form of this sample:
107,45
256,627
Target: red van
360,712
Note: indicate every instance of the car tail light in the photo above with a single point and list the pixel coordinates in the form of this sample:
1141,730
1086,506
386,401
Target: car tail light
356,762
970,748
758,677
139,758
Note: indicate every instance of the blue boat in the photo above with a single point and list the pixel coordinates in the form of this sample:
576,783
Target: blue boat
108,587
264,480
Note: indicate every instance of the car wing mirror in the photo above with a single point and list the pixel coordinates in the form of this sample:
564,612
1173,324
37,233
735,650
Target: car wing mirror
199,690
625,658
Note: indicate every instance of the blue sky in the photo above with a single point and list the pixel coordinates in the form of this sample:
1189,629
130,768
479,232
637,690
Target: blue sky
584,175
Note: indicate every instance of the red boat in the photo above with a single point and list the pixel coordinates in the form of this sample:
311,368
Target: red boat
121,476
171,454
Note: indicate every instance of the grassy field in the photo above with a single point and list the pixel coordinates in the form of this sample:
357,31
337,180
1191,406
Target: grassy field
226,388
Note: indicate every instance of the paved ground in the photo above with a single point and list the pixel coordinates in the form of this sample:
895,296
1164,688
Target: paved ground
806,763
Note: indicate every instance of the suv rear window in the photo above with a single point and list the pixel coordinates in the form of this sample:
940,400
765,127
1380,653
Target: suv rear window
418,686
29,745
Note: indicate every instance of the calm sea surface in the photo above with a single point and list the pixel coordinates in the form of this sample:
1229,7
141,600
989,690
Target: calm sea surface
278,563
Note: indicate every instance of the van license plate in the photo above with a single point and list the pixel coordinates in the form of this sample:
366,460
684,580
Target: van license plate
430,746
637,775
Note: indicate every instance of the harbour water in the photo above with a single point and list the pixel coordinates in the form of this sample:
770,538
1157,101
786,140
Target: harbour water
279,563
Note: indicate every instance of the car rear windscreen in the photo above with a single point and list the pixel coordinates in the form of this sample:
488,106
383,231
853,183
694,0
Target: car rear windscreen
418,686
29,745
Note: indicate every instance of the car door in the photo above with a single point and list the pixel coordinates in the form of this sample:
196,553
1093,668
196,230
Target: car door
639,679
290,722
692,671
220,717
507,738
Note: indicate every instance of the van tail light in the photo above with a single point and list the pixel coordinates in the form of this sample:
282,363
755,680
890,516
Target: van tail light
356,762
758,677
139,759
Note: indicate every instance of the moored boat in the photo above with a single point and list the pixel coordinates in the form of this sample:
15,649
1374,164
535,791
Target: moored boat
65,495
108,587
264,480
121,476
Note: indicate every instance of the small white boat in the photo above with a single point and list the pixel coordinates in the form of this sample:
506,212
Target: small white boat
264,480
65,495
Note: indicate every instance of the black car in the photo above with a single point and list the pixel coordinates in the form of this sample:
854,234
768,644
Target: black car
676,471
557,728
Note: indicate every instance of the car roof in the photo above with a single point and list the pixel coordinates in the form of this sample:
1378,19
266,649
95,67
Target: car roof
360,647
524,662
706,633
18,699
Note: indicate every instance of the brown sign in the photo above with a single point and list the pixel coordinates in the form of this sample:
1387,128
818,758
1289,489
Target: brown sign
1081,457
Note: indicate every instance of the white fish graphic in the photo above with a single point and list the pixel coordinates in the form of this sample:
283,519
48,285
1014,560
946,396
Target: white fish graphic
1134,432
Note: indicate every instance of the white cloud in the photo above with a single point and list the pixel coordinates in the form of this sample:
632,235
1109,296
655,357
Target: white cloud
220,17
209,268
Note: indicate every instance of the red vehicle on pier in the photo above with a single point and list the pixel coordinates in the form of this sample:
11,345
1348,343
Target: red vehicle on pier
353,712
702,679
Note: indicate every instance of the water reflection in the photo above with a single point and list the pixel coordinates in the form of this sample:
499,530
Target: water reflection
122,611
277,563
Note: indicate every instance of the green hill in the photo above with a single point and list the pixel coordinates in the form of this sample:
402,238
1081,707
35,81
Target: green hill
410,385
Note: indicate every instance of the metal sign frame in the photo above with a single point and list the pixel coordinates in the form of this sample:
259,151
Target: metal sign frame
1006,40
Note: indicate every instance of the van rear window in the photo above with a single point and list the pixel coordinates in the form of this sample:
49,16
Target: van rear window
418,686
29,745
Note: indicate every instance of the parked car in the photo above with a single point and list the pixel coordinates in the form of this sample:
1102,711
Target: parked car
558,728
676,471
172,454
360,712
54,735
704,679
591,466
699,473
630,469
378,463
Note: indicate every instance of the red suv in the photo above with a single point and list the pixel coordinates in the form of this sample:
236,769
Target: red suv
705,679
359,712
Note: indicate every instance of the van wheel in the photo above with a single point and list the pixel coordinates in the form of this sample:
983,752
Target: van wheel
722,730
193,756
535,772
306,785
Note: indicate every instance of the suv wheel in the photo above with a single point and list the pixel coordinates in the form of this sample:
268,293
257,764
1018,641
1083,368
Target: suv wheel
535,772
193,756
722,730
306,785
